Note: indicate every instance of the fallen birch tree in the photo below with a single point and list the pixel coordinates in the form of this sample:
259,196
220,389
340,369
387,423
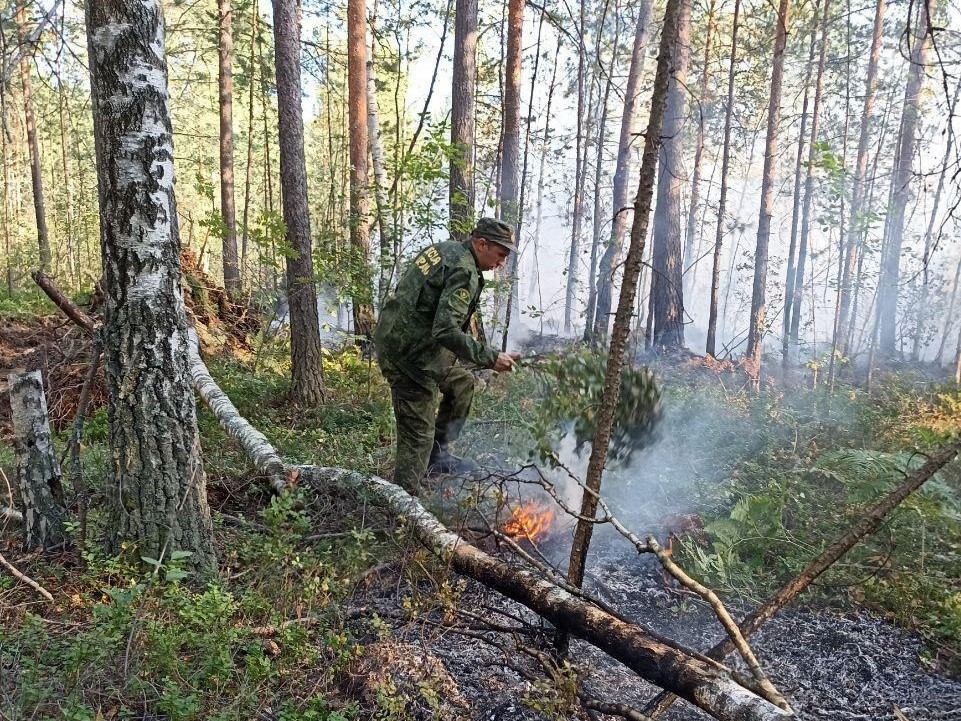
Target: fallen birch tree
705,683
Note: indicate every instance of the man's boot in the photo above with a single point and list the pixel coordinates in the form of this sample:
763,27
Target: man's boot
443,462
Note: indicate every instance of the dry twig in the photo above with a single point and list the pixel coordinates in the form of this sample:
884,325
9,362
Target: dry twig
25,578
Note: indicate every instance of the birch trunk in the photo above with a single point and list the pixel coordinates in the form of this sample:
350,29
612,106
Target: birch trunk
158,491
38,472
387,261
759,293
305,350
509,200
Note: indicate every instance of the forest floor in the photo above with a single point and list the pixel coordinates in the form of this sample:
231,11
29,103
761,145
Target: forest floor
324,610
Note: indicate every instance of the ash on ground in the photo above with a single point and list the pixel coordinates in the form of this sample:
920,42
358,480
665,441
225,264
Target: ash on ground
831,666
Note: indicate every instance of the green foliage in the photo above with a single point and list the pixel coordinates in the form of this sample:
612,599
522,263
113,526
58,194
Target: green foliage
573,385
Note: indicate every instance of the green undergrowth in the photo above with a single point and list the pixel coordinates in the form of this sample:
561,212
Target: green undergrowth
780,475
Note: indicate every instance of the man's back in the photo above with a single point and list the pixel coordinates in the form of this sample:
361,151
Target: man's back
423,322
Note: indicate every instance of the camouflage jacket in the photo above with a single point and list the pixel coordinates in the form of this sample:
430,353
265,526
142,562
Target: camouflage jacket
423,326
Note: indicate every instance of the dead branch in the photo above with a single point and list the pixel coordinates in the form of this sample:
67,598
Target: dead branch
274,630
769,691
63,302
26,579
706,684
869,522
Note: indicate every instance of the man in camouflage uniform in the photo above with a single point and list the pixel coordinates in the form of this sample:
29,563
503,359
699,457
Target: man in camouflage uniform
422,342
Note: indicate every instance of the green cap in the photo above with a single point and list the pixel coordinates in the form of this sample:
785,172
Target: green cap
495,231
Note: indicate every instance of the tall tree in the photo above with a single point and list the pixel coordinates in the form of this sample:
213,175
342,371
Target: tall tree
690,232
628,291
901,184
798,285
362,296
758,295
33,144
929,235
307,369
711,345
667,295
796,205
225,85
463,85
622,172
858,195
158,490
510,170
577,212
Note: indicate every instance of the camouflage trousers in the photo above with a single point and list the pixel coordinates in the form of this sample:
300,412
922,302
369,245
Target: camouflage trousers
421,423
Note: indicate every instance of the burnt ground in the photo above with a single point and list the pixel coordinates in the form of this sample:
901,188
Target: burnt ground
832,666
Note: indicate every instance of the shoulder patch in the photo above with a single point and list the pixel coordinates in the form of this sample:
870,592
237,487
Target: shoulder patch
462,295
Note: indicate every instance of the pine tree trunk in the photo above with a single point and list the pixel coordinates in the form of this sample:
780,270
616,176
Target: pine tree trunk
759,293
856,222
798,286
929,237
509,201
306,359
38,472
690,262
248,169
232,283
598,216
796,205
901,187
362,296
667,295
711,344
43,239
622,172
463,84
158,491
578,200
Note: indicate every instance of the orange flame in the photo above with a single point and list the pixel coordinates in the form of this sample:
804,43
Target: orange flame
530,520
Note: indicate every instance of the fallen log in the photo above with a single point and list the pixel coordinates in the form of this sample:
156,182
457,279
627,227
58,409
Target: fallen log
868,524
705,683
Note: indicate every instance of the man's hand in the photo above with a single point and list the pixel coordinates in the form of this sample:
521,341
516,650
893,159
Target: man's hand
505,361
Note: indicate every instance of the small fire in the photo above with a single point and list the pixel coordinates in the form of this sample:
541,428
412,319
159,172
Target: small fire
530,520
